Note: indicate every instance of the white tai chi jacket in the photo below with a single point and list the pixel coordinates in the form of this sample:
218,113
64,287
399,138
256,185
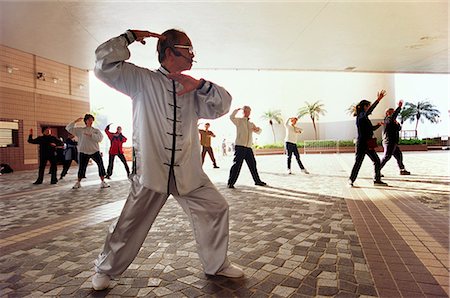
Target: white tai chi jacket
244,130
86,144
165,132
292,132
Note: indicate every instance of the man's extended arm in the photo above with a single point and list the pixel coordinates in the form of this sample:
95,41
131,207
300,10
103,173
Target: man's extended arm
110,65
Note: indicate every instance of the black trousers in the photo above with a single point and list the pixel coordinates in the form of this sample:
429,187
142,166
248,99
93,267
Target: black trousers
242,153
361,151
66,167
84,160
291,148
111,163
211,154
43,163
392,150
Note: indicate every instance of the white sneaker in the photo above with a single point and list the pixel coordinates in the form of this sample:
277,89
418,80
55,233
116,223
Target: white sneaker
77,185
289,171
305,171
104,185
350,183
100,281
232,271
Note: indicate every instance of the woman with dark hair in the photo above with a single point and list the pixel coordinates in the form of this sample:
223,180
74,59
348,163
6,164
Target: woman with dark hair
366,143
88,144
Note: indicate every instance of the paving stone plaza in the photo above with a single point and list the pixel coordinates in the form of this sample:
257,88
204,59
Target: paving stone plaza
301,236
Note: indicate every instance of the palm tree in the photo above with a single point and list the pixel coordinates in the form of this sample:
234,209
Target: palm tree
405,114
273,115
314,110
420,110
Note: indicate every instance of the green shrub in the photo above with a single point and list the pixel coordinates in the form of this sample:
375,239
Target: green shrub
346,143
270,146
411,142
342,143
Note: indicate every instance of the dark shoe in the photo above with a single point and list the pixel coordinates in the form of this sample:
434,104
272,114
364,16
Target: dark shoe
404,172
215,167
379,183
108,177
54,182
61,178
37,182
381,175
231,186
260,183
350,183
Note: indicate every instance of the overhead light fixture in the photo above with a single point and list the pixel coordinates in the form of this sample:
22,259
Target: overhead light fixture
11,69
40,76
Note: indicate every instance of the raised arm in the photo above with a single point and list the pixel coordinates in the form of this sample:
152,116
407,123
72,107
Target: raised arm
397,110
110,65
380,96
31,140
287,122
72,129
108,133
233,116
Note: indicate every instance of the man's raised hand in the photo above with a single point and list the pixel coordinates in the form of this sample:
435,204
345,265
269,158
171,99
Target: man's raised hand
141,35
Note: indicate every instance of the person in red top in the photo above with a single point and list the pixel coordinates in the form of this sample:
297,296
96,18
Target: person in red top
117,139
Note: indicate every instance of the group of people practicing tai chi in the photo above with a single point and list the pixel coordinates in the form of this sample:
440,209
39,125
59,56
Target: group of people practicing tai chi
82,151
167,105
366,143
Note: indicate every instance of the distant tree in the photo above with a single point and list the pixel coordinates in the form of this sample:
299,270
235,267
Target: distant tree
101,119
314,110
421,110
273,115
405,114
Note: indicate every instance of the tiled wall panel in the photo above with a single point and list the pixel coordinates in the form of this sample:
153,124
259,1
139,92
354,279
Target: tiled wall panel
55,101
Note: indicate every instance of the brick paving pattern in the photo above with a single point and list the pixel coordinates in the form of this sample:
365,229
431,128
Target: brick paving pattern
303,236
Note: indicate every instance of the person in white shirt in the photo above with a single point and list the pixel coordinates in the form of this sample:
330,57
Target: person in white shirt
88,140
166,107
292,132
243,147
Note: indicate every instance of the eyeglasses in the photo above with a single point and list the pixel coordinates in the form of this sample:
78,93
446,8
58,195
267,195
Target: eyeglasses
189,48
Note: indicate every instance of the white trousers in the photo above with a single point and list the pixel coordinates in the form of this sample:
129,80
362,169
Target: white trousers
206,208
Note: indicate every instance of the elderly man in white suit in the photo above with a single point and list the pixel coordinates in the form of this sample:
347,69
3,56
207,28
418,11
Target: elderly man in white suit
166,107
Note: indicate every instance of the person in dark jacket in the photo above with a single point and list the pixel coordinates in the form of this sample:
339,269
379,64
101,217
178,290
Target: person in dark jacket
117,139
47,152
365,135
70,153
391,138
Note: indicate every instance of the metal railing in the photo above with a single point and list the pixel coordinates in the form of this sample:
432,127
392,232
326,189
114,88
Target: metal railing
325,146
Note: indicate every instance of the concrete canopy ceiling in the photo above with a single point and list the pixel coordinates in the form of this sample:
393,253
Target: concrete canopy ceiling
381,36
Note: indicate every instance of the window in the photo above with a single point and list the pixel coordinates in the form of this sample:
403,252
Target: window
9,133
